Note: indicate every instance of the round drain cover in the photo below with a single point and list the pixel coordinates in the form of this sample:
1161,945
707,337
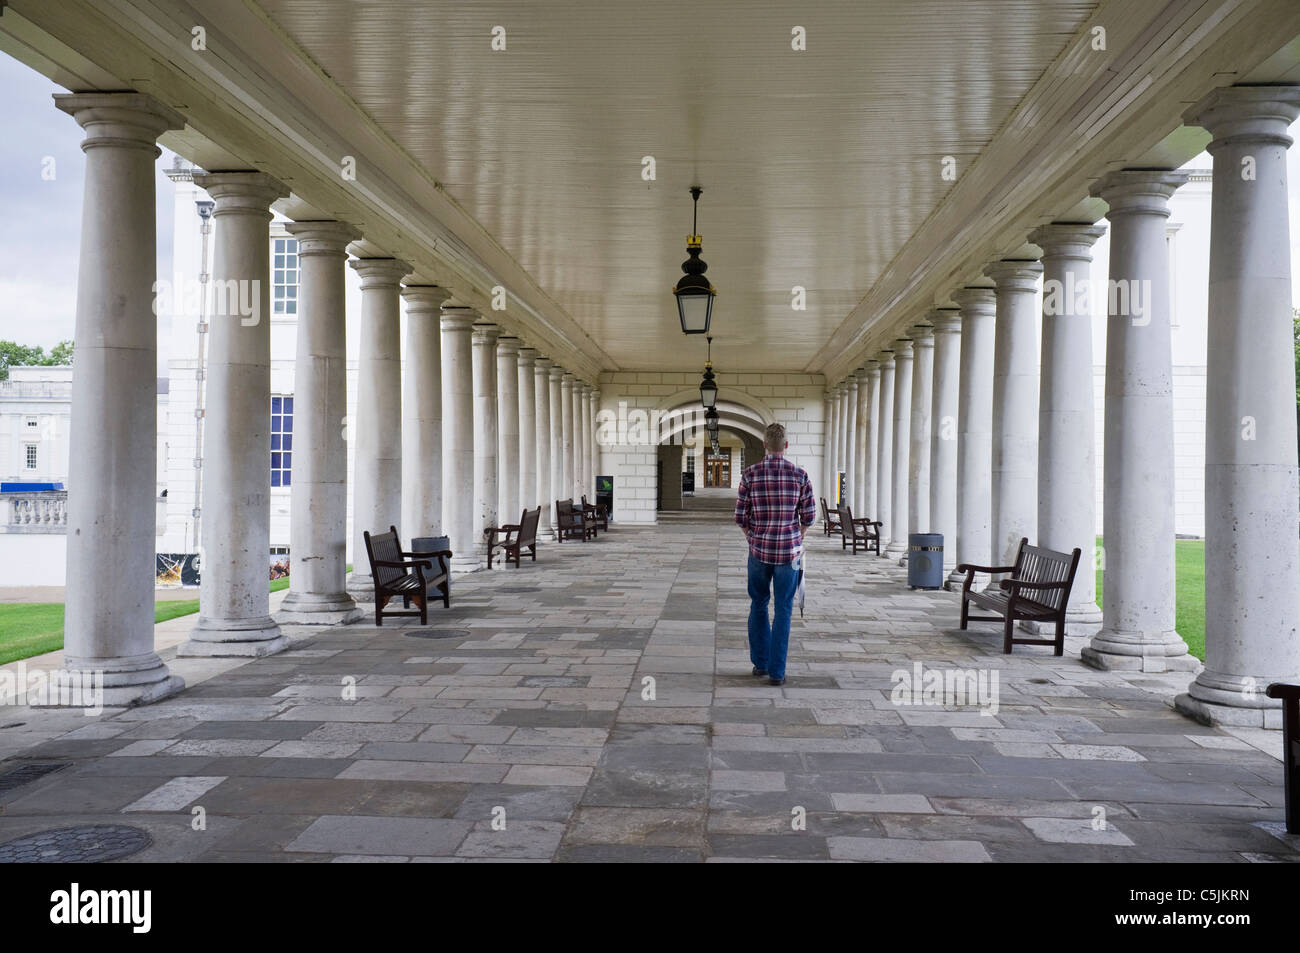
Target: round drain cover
92,844
439,634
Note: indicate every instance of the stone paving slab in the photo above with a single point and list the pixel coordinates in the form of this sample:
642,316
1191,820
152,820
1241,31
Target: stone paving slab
608,715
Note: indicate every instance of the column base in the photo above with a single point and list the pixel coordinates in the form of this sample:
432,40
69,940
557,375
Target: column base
233,638
361,587
1081,620
330,608
468,563
111,683
1236,700
958,579
1130,652
894,550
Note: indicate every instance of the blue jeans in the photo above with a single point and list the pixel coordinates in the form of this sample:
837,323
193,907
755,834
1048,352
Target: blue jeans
769,641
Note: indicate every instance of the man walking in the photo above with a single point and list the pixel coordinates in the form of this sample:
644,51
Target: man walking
775,508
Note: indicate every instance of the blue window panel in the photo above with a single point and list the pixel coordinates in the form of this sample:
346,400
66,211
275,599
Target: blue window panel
288,461
275,405
288,407
288,441
276,461
286,479
275,440
275,478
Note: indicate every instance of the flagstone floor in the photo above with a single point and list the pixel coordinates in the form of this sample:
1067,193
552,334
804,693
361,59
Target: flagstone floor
598,706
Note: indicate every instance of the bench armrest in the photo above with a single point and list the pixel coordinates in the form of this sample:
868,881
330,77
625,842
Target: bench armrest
1284,690
991,570
442,553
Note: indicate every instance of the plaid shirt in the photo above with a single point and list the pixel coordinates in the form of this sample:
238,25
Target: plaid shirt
775,497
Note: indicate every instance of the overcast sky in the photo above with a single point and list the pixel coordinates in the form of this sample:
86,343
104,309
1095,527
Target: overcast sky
40,220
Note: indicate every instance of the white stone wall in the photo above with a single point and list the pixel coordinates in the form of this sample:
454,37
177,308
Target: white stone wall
626,452
45,394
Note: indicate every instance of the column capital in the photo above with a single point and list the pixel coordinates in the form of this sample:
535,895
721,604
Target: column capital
380,272
485,334
542,365
557,373
567,380
1015,274
1072,240
1257,114
873,368
862,373
886,361
457,317
922,335
241,192
1138,191
851,382
127,120
946,320
975,299
903,349
508,345
323,237
422,299
527,357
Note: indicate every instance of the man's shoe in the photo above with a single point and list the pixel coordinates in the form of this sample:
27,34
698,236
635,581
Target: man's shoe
776,681
758,672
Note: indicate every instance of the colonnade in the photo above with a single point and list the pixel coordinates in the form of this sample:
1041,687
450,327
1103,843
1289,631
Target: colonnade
465,439
974,425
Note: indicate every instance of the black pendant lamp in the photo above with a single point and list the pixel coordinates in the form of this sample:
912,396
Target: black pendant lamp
694,292
708,388
711,423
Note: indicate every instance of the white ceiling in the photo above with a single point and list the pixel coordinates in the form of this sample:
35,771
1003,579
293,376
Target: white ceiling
820,168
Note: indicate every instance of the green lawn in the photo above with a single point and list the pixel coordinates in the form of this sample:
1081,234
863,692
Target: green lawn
33,628
1189,576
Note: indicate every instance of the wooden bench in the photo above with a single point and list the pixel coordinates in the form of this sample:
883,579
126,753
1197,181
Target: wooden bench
858,532
1290,695
514,538
596,513
830,518
402,574
570,523
1037,590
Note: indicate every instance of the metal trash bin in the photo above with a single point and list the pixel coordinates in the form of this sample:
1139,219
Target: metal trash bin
925,560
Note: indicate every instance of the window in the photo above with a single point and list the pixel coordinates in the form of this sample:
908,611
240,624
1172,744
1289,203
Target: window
29,456
690,463
32,423
284,276
281,440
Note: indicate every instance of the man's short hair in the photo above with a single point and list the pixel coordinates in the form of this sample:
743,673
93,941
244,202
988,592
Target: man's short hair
774,438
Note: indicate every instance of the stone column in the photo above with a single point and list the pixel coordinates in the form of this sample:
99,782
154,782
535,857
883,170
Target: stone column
975,432
542,368
527,482
828,448
918,469
850,439
1138,613
1015,407
109,614
885,447
1067,455
837,406
508,506
422,388
944,403
459,493
557,440
1252,578
589,440
234,592
902,440
871,443
596,464
318,502
567,383
377,457
860,454
485,433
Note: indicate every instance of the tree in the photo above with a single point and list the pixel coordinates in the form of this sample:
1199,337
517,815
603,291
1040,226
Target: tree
13,354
